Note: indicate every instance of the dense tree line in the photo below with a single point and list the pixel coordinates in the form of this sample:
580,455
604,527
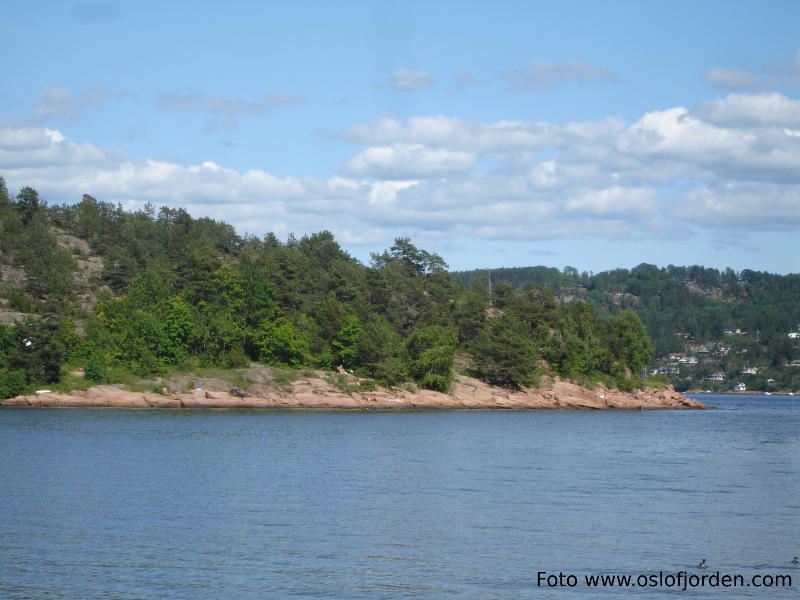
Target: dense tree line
177,292
698,302
689,310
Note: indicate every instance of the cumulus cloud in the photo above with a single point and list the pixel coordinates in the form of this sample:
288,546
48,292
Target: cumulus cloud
604,169
676,135
752,110
616,201
539,75
403,161
474,136
37,147
254,200
406,79
730,165
743,205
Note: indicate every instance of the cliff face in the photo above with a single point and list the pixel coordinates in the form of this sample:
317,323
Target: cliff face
316,393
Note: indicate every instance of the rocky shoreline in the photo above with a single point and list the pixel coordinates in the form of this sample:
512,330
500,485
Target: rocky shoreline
317,393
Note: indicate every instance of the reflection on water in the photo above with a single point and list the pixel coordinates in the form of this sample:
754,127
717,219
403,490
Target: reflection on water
127,504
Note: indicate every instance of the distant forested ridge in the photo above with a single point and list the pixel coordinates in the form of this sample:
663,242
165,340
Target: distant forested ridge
113,292
711,329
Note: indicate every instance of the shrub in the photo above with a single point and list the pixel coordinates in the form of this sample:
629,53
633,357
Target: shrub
12,383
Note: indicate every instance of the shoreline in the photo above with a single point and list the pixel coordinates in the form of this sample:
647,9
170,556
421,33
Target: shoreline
311,393
744,393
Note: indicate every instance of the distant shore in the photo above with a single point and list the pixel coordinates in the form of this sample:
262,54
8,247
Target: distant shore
745,393
306,393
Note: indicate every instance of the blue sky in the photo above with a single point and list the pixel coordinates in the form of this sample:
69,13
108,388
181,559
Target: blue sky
591,134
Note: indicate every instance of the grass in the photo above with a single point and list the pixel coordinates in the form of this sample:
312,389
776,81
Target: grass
188,375
343,384
237,377
137,383
283,378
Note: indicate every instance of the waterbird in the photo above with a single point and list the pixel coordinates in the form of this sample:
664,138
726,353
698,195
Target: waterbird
702,564
796,560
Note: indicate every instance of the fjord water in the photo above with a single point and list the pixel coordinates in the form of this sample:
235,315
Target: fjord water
170,504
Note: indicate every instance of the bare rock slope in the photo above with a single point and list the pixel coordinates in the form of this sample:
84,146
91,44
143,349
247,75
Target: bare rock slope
318,393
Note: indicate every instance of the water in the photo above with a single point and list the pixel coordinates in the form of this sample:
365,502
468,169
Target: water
162,504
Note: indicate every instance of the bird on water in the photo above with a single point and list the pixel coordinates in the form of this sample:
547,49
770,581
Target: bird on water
796,560
702,564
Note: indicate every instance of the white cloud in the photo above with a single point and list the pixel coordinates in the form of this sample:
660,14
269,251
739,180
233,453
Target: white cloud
732,164
751,110
744,206
539,75
406,79
676,135
403,161
620,202
34,147
474,136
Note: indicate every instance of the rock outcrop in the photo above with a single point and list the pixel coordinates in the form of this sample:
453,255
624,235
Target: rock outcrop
317,393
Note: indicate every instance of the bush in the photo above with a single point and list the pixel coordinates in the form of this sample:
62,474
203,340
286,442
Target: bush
12,383
95,371
280,342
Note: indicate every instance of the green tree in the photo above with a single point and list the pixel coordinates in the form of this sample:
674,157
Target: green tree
279,342
35,349
28,204
346,343
502,354
5,199
431,353
379,352
629,341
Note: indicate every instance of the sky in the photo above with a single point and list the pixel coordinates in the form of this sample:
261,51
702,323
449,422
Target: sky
589,134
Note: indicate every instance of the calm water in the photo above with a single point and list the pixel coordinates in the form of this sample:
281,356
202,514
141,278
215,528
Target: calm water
134,504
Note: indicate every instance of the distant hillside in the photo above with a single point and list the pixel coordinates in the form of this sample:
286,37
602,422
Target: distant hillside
711,329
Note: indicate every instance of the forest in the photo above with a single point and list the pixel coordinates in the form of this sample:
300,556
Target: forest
732,327
119,294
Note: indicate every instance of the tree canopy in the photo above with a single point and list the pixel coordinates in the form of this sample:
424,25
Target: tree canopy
175,291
